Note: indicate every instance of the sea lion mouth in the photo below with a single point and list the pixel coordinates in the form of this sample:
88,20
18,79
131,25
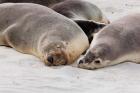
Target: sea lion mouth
56,58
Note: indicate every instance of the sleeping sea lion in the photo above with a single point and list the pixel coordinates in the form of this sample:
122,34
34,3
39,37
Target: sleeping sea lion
37,30
87,15
116,43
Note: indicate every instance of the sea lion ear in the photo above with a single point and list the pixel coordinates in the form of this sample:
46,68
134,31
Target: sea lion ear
90,26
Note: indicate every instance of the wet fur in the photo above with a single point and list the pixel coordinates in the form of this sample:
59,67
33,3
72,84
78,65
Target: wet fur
90,27
83,11
41,2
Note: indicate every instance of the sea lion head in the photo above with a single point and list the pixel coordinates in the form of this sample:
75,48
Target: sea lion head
55,54
96,57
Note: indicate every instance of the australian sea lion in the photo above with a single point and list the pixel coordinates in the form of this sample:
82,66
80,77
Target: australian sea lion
37,30
87,15
80,10
74,9
118,42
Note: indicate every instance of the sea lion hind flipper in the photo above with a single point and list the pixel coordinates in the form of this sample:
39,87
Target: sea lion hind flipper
90,27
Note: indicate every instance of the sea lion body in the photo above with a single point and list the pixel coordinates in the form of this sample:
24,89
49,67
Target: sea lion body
87,15
40,31
116,43
80,10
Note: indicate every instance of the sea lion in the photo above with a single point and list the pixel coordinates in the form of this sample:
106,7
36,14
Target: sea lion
87,15
74,9
116,43
37,30
84,13
80,10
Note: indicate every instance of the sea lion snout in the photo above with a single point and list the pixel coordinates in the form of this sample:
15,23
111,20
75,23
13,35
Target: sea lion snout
89,60
50,59
96,57
55,53
57,57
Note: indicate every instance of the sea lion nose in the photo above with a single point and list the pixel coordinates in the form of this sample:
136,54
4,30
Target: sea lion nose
50,59
81,61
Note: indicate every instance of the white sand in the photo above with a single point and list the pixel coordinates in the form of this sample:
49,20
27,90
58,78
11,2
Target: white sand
20,73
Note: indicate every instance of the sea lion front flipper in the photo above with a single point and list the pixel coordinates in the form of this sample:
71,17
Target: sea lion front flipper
90,27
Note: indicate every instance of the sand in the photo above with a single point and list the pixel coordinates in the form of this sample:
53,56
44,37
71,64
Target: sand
21,73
